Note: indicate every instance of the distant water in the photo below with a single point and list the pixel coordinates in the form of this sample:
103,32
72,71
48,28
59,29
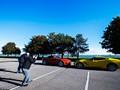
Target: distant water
5,55
90,56
112,56
66,56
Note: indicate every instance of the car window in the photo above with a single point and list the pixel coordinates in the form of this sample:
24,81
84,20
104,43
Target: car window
57,57
50,56
99,58
91,59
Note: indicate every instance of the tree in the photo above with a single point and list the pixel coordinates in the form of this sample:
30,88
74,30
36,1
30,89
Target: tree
17,50
10,48
111,37
63,43
37,45
70,44
80,45
52,43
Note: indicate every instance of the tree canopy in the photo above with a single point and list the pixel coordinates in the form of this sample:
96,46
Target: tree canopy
80,44
56,44
10,48
111,37
50,44
63,43
37,45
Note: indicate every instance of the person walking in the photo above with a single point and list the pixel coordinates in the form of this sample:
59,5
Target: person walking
21,60
26,66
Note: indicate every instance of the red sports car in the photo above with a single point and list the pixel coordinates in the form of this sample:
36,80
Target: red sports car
56,60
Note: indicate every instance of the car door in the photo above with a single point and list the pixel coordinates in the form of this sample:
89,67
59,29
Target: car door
88,62
53,60
50,60
99,62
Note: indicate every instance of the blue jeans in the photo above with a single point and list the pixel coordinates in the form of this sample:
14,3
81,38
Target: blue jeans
19,67
27,75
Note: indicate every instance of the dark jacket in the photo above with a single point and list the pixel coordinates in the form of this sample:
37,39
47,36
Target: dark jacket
22,58
27,63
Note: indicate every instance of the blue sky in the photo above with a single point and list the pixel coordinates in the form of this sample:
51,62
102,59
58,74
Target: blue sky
22,19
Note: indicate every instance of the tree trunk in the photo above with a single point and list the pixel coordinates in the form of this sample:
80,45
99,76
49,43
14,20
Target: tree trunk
68,55
42,55
77,55
38,55
62,55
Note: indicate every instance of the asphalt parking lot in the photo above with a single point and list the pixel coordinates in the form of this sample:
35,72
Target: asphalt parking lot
57,78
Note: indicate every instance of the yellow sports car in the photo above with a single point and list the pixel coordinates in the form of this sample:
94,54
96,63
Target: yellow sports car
110,64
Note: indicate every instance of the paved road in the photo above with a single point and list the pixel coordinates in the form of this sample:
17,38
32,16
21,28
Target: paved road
57,78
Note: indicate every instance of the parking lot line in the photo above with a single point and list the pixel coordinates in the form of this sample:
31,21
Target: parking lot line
38,77
15,88
87,81
46,74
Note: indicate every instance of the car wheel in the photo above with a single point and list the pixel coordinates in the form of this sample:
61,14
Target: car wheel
112,67
44,62
80,65
60,64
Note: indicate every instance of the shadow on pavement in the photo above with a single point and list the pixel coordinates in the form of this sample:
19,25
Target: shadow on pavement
92,69
7,61
38,63
11,81
4,70
73,67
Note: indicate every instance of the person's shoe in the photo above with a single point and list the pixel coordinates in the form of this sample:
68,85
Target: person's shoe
24,84
17,71
30,80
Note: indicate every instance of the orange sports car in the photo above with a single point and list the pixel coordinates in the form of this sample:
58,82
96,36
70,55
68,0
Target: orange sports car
56,60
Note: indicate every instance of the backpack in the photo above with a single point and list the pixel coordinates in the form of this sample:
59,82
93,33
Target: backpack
22,58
